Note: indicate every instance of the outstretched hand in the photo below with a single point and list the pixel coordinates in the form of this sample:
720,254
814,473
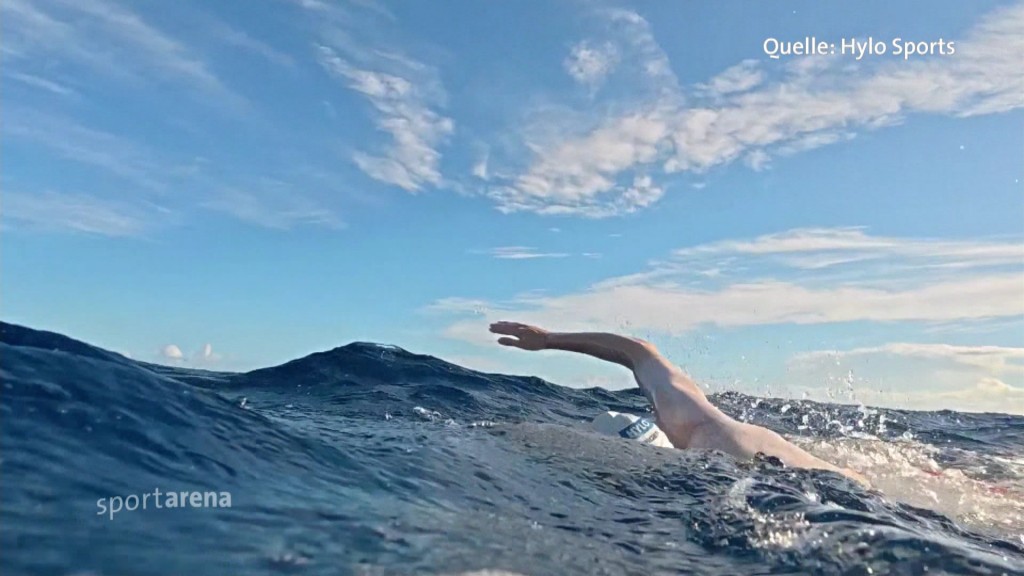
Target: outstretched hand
521,335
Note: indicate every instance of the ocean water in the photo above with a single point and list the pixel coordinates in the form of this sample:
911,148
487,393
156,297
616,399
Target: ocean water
369,459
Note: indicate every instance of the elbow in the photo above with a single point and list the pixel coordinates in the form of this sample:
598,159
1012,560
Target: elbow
642,350
646,347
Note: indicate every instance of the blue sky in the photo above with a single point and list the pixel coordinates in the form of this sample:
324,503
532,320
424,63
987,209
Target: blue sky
235,184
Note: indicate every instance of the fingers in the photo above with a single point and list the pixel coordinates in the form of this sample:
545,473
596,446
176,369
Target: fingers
509,328
509,342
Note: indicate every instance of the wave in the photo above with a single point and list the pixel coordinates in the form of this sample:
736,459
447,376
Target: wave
371,459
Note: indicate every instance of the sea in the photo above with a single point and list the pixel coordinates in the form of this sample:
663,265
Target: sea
369,459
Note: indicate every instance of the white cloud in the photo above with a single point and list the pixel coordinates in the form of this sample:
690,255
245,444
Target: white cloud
643,49
590,64
316,5
459,306
172,352
804,110
739,78
986,395
926,376
854,240
790,278
847,255
206,355
995,360
580,176
668,309
681,294
405,113
579,162
523,253
55,211
989,395
741,114
757,160
480,168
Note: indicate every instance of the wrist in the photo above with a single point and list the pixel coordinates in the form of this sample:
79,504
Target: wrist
546,341
553,339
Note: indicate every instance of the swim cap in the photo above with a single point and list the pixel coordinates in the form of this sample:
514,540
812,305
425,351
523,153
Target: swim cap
631,427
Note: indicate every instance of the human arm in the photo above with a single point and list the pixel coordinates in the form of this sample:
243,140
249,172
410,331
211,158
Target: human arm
671,392
622,350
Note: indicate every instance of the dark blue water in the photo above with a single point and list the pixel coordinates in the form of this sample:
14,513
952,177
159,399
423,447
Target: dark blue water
372,460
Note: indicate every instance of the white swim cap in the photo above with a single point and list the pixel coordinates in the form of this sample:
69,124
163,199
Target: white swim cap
631,427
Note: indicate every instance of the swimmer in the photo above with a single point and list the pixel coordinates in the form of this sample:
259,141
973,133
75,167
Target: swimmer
681,409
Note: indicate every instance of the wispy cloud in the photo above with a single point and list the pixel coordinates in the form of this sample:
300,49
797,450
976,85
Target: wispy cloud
237,38
106,38
480,169
845,254
523,253
811,278
676,296
996,360
744,115
273,204
636,39
293,200
596,170
42,83
54,211
459,306
406,94
589,64
580,176
69,139
739,78
416,130
674,310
